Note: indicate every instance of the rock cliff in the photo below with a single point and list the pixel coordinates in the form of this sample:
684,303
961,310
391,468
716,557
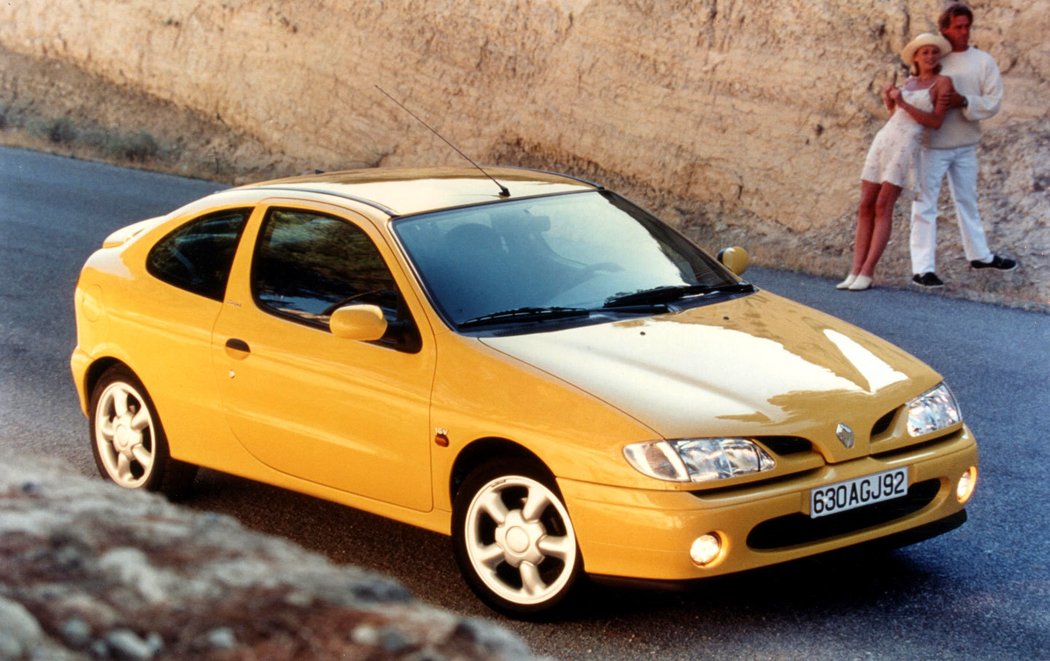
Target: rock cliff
741,122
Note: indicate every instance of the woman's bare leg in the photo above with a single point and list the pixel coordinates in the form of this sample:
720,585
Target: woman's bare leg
883,227
869,194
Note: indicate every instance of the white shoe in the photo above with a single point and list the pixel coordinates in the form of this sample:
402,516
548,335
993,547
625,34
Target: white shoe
847,282
860,283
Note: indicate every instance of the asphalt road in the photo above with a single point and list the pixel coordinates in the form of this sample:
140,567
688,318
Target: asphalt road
979,592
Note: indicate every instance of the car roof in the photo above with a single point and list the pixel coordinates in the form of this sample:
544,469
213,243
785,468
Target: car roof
405,191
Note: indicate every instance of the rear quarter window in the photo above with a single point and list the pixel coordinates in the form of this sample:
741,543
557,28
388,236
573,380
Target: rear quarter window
197,256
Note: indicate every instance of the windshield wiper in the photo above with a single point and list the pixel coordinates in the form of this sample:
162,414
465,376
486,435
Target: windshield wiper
670,293
525,314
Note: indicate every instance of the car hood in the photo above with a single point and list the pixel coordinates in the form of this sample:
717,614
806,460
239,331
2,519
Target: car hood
756,365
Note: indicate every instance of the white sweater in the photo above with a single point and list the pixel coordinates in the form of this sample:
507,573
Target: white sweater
975,76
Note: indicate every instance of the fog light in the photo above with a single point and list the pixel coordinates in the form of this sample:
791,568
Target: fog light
964,489
706,549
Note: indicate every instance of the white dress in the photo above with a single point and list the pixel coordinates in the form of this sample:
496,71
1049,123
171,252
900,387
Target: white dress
896,152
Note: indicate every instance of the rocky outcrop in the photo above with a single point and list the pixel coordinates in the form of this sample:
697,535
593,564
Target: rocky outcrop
92,571
741,122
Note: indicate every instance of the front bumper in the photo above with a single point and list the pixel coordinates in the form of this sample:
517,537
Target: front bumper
646,535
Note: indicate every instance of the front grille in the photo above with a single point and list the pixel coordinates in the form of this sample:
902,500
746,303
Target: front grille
785,445
882,425
796,529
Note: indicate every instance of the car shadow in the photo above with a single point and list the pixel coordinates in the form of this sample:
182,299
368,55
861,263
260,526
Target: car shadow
419,559
811,588
838,582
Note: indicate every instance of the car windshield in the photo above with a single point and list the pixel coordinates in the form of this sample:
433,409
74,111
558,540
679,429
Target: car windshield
556,258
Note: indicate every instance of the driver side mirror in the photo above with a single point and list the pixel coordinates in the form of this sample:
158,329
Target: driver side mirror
735,259
364,323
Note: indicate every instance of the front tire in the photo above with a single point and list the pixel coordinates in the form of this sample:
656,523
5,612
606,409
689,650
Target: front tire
128,441
514,541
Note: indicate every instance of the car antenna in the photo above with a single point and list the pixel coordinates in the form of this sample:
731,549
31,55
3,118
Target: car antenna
503,192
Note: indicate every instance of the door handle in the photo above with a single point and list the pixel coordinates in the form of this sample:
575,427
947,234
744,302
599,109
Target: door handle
236,348
237,345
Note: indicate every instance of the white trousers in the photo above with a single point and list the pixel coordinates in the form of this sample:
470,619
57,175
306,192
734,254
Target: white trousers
960,164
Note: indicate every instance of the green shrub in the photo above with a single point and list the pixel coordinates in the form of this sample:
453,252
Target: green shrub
60,131
138,146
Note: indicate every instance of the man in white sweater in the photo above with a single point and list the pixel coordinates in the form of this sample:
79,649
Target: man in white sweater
952,150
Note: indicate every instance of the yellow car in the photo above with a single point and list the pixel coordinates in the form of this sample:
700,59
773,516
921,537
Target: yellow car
525,361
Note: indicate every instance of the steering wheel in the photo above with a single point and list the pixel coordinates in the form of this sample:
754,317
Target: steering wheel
587,272
590,269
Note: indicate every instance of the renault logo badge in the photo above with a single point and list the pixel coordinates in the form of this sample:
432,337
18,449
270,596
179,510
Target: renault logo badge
845,435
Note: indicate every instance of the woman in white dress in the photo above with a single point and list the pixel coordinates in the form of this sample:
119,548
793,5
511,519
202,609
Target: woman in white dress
893,160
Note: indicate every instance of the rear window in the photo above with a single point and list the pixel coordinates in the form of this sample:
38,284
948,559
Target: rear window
197,256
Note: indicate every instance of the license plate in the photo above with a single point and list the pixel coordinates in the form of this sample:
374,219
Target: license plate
858,492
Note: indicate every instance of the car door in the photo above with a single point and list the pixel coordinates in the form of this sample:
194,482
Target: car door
346,414
168,316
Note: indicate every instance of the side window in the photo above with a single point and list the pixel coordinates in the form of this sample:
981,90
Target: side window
307,265
197,256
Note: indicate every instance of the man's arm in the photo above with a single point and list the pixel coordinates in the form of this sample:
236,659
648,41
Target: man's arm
986,104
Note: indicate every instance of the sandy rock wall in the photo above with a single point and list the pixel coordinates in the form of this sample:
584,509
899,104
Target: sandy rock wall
740,121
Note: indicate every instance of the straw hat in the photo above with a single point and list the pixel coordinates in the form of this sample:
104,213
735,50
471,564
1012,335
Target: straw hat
925,39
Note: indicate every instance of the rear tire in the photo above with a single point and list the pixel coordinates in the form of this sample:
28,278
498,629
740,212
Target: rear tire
514,541
127,438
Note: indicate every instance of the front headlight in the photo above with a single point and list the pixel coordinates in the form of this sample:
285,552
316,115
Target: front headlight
932,411
698,459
